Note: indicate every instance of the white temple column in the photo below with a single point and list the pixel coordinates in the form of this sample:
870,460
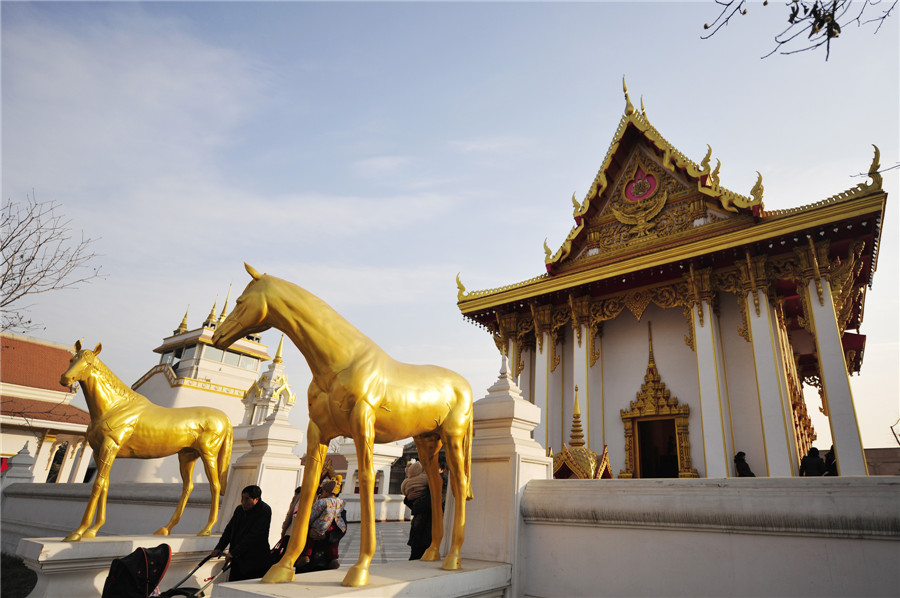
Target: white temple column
713,392
83,460
65,466
45,452
836,390
541,396
777,425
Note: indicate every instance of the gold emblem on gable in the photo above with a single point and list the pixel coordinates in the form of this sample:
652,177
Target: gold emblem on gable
640,199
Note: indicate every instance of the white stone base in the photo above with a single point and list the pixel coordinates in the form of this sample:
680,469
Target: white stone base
396,579
67,569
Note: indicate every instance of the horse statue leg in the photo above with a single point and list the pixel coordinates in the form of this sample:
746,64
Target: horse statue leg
107,455
458,446
362,426
283,570
187,458
428,448
210,465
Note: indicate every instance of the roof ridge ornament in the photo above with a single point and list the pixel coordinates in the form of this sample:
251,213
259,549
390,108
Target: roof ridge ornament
461,290
629,108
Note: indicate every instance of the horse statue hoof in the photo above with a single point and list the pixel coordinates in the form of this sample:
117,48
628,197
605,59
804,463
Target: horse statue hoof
451,563
431,554
204,532
278,573
91,533
73,537
161,532
356,576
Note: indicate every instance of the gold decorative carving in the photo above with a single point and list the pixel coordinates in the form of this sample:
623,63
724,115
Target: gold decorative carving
541,316
687,312
581,314
560,318
842,279
637,302
655,402
596,331
524,335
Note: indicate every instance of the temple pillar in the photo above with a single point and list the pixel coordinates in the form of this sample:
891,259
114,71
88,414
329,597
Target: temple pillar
777,425
541,388
84,456
836,391
45,452
711,382
65,466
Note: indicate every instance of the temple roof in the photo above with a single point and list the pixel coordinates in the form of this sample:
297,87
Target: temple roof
652,214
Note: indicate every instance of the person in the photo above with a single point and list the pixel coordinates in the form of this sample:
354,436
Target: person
831,462
291,513
415,482
417,496
326,516
741,466
812,464
248,535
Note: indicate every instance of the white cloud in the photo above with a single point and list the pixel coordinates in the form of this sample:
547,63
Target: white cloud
381,166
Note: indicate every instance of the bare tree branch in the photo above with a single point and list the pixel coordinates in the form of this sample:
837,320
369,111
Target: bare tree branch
39,255
812,23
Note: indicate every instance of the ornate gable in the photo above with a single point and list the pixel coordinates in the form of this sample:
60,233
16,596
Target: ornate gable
645,192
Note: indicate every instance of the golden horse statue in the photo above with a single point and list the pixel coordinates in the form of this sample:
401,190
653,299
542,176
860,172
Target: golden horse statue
126,424
360,392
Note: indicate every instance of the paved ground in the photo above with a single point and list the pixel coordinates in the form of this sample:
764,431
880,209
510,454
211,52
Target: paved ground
390,536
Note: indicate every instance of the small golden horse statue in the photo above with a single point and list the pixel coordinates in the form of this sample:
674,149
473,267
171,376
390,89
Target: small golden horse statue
360,392
126,424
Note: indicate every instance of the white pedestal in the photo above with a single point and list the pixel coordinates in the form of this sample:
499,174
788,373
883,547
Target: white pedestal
396,579
67,569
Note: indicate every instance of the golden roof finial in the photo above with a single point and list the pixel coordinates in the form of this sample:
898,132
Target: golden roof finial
546,250
183,326
225,306
643,110
576,436
629,108
460,289
279,351
211,318
650,336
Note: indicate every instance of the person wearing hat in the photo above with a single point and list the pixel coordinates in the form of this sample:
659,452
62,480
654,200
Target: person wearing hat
326,516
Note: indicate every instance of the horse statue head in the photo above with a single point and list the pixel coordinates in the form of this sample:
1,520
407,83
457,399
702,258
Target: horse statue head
249,314
80,365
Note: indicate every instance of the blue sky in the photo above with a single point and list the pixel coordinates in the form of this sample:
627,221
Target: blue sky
370,151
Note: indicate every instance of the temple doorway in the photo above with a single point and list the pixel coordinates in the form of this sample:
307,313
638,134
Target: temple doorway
657,448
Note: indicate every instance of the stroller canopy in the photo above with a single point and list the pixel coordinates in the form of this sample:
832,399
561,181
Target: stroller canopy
138,574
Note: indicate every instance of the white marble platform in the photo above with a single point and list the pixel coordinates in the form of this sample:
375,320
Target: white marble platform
399,579
67,569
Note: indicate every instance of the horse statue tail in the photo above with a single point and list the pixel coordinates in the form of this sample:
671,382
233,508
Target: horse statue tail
223,460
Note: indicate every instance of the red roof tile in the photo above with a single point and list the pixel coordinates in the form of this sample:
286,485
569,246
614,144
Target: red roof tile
34,409
32,363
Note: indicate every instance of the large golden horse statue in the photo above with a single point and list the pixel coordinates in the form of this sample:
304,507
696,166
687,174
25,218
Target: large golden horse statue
359,391
126,424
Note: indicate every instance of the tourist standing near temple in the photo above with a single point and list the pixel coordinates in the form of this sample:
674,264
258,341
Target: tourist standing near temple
248,534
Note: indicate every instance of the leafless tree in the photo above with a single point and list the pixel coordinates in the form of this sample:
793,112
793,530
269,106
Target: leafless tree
39,255
812,24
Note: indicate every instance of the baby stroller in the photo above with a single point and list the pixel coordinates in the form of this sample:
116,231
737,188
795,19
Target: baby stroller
139,574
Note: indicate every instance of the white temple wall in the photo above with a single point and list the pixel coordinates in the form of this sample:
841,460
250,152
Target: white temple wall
624,363
596,423
625,353
743,397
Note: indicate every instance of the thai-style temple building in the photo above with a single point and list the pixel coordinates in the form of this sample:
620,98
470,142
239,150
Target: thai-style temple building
690,318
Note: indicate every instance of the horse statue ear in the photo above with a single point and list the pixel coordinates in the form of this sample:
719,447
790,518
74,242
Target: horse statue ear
252,271
77,346
98,348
